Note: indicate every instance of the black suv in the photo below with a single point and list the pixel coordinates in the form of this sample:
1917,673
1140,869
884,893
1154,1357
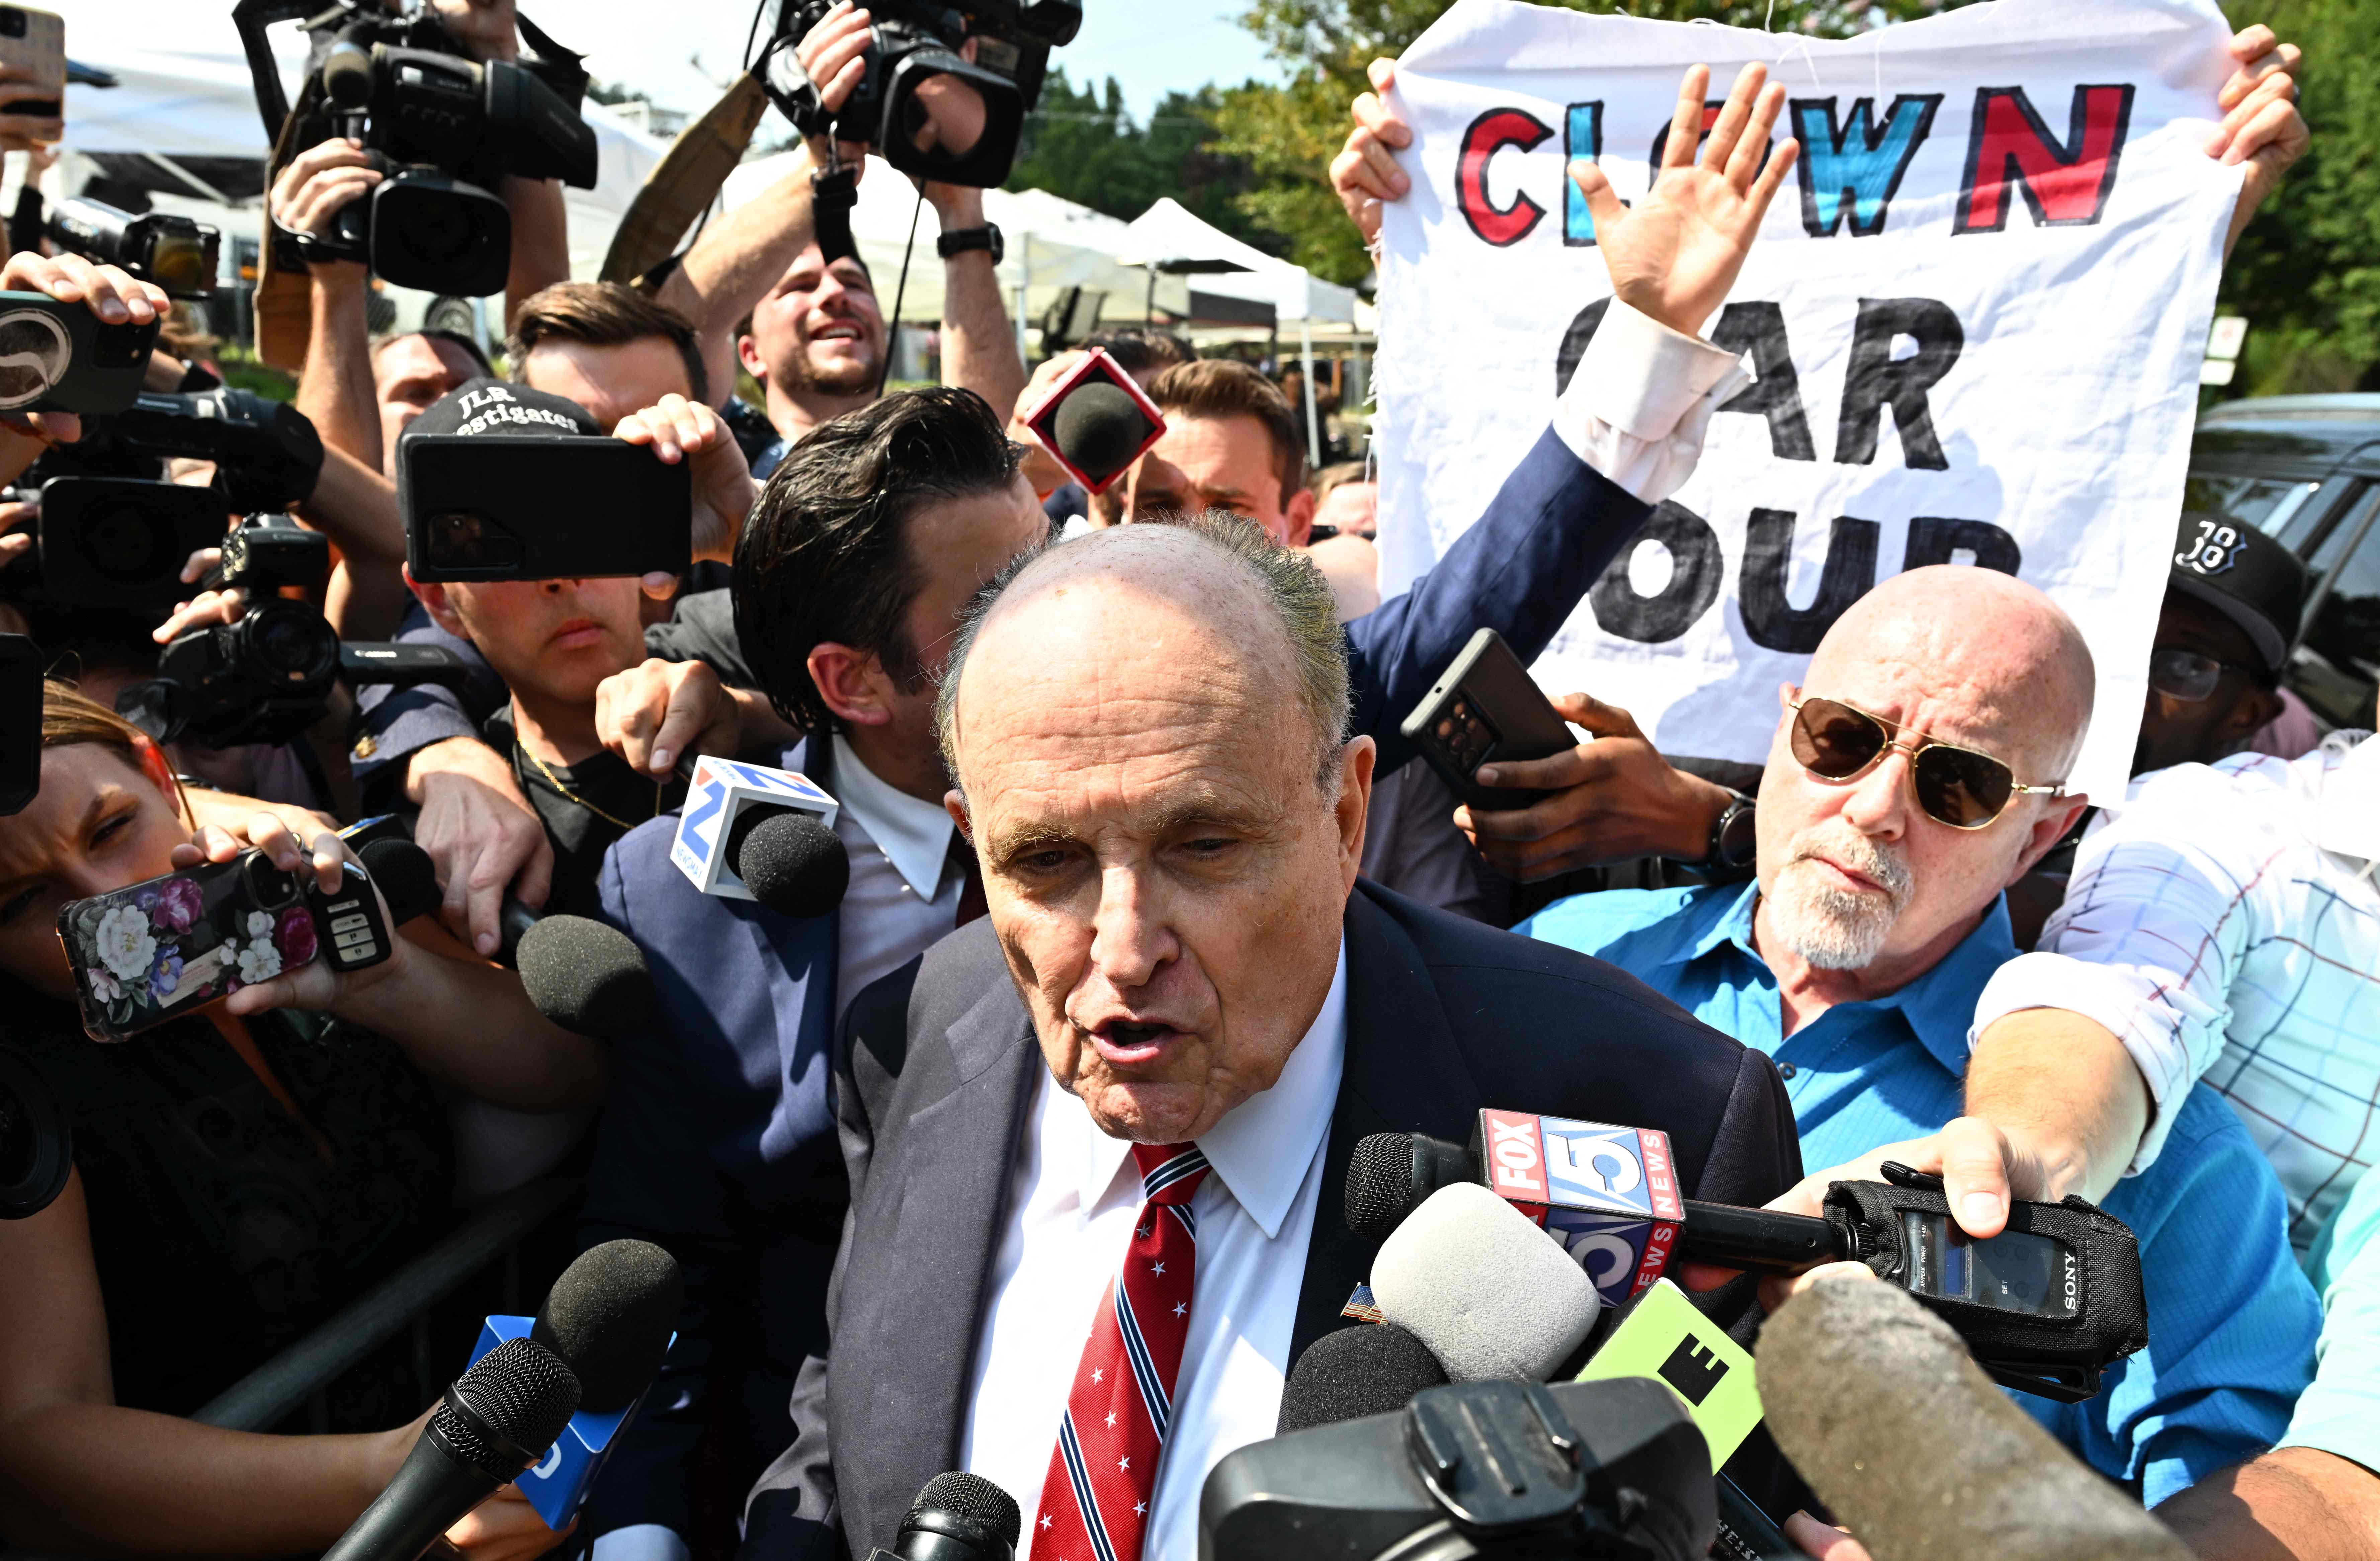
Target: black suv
2306,469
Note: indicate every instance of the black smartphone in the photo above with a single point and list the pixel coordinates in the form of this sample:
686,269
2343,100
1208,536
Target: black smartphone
20,722
1485,707
61,358
121,542
492,508
1745,1532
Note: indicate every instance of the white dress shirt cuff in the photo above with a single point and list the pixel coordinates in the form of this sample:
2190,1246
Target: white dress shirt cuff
1642,398
641,1542
2144,1010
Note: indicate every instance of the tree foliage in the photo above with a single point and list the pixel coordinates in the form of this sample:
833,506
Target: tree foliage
1080,143
2307,272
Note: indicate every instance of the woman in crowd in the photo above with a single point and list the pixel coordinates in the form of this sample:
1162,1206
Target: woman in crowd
240,1173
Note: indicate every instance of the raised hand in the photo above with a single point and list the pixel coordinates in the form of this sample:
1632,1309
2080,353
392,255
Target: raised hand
1675,253
1365,173
2261,124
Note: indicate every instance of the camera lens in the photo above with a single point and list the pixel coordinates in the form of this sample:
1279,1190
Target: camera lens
12,22
292,644
181,265
268,885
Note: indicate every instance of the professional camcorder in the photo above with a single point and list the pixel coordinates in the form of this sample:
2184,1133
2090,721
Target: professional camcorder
176,253
267,677
922,106
114,533
445,129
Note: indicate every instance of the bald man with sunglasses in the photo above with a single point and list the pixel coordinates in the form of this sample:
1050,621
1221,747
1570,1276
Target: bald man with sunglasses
1918,772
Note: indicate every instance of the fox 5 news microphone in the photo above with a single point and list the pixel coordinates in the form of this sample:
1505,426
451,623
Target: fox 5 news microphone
587,977
2045,1306
752,833
1483,1469
494,1424
1875,1402
610,1319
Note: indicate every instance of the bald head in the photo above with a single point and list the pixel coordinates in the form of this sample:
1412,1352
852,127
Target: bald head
1241,610
1856,876
2009,655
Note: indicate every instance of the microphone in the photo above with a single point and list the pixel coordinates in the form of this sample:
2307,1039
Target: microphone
1097,420
752,833
793,861
2047,1305
1374,1369
492,1425
1876,1401
1482,1289
586,976
957,1517
610,1318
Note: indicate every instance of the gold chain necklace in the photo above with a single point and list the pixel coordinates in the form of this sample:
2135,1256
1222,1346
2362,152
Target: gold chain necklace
556,781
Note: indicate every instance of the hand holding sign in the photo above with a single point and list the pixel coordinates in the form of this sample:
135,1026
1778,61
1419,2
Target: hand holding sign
1675,253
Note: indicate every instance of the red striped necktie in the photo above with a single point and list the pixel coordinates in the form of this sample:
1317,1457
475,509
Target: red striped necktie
1103,1471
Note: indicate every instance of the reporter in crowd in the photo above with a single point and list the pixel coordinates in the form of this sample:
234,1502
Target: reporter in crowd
240,1173
1231,443
635,363
850,571
1918,772
1181,996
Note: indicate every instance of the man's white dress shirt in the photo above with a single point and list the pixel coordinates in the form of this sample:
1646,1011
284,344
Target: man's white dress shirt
1074,1197
905,895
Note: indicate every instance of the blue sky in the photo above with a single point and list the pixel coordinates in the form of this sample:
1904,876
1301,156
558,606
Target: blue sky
1153,46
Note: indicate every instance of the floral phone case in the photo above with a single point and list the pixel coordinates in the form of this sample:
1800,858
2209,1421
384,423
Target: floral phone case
158,950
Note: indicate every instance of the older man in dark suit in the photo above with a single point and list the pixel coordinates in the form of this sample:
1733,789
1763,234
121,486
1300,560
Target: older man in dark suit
1098,1141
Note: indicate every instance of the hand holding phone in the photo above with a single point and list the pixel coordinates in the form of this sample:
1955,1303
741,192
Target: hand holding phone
1485,707
158,950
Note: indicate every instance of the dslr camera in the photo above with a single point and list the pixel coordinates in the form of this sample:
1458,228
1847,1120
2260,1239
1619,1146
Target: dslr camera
923,107
114,533
442,126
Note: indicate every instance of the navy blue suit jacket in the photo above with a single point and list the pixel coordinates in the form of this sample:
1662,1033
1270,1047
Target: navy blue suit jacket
717,1137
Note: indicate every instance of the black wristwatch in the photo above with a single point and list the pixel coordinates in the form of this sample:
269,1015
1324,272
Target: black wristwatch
959,240
1734,839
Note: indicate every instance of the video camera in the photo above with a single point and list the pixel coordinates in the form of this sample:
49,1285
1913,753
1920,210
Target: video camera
114,533
925,108
176,253
445,129
267,677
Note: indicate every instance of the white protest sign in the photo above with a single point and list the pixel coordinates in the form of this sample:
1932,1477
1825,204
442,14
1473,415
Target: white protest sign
1976,312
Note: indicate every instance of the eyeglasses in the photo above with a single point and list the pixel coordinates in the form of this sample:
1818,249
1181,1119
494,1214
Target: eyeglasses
2186,674
1957,786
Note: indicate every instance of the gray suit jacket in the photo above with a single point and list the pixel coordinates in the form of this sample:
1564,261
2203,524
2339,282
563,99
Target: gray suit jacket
1444,1016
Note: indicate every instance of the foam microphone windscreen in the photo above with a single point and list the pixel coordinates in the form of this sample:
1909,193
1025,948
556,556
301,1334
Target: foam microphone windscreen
1880,1406
610,1316
1370,1369
407,878
587,977
1490,1294
790,859
1099,427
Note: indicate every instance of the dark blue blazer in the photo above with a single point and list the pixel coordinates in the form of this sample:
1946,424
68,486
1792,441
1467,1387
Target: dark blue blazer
717,1137
717,1141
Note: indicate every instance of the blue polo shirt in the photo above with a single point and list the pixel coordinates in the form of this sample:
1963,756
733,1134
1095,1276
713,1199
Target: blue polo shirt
2232,1320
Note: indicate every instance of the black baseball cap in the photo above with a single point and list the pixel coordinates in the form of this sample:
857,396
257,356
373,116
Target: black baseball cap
2246,576
492,406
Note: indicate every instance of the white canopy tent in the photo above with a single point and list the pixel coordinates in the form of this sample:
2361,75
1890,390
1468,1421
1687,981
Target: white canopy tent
1170,237
1053,244
182,120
